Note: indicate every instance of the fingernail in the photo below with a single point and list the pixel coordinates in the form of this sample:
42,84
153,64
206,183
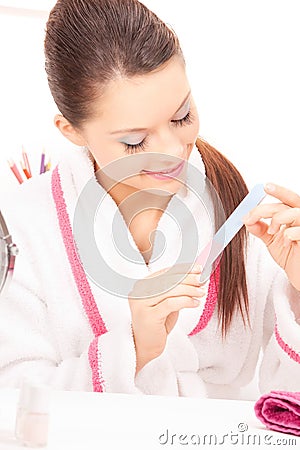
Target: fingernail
270,187
198,267
196,302
271,230
201,290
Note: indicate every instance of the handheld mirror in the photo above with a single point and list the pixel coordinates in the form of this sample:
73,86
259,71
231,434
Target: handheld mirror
8,252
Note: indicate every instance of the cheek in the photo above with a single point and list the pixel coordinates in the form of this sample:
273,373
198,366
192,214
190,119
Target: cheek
196,123
190,132
190,135
195,126
107,153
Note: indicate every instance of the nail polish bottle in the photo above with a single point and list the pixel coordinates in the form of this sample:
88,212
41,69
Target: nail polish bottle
33,414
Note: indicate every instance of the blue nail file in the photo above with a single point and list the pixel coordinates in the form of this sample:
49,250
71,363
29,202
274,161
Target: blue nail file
228,230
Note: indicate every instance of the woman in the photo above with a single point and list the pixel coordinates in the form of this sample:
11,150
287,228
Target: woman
94,321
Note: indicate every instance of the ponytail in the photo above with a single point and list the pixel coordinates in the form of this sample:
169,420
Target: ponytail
231,189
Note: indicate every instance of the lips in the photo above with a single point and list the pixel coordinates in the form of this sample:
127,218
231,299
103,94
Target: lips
164,172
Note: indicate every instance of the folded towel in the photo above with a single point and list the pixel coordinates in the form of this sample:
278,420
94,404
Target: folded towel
280,411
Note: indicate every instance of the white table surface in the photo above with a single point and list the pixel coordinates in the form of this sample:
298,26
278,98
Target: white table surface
90,421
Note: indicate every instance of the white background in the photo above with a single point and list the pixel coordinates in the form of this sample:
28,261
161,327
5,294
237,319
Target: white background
243,65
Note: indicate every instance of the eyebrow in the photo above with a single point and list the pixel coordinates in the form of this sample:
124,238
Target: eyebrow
130,130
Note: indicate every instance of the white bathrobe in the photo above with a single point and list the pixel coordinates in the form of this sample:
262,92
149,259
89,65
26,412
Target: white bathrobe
62,323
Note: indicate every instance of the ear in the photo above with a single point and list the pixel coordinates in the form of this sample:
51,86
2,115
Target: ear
68,130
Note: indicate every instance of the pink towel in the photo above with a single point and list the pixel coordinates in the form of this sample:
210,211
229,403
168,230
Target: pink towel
280,411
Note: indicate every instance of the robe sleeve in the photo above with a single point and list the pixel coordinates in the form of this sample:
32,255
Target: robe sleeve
280,366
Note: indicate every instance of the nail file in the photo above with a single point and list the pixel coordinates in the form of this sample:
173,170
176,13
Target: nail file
228,230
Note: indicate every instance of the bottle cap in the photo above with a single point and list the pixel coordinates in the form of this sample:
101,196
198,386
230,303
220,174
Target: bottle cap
34,396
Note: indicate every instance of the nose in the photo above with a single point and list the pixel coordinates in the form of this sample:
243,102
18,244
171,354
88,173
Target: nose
169,150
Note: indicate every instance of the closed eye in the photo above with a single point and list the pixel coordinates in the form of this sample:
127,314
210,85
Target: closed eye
186,120
140,146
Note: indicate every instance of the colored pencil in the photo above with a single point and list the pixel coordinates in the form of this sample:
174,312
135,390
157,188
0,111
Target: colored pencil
25,170
48,166
26,161
42,168
15,170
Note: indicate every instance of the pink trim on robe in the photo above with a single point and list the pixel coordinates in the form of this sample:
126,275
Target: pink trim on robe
88,301
98,381
285,347
211,301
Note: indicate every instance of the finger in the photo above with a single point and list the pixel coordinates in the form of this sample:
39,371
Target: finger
283,194
192,279
290,217
291,235
182,268
264,211
174,304
182,290
143,297
162,284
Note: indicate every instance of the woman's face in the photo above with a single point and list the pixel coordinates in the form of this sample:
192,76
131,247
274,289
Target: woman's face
153,116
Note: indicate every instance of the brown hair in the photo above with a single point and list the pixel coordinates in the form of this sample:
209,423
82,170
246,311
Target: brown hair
88,43
230,187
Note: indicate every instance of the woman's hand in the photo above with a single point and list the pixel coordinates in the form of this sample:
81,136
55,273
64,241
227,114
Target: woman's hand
282,236
153,317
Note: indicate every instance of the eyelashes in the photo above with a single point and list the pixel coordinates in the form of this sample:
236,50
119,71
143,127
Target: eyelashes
186,120
133,148
130,148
